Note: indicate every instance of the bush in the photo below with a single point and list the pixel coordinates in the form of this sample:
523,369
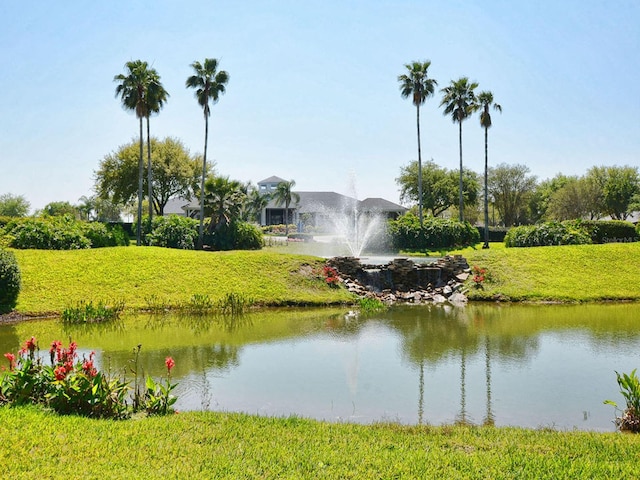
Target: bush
436,233
235,236
9,281
608,231
55,233
101,235
173,231
547,234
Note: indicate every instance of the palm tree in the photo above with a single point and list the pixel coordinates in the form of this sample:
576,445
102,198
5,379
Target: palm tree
415,84
132,90
224,201
485,101
155,98
459,101
209,84
284,194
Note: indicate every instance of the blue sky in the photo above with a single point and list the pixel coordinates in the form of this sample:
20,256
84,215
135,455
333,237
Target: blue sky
313,93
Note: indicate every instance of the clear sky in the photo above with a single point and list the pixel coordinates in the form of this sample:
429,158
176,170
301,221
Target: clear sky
313,94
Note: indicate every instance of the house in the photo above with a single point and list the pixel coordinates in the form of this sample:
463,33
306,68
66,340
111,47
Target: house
317,209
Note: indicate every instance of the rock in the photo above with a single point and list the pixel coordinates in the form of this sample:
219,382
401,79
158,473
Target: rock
458,299
461,277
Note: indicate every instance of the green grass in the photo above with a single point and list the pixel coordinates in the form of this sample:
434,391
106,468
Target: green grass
573,273
53,280
37,444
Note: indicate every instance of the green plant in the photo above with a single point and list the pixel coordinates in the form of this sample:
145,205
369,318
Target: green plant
547,234
10,281
85,312
54,233
434,234
199,304
630,389
173,231
370,305
234,304
479,276
158,399
331,276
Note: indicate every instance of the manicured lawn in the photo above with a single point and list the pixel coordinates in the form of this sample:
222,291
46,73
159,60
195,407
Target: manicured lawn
37,444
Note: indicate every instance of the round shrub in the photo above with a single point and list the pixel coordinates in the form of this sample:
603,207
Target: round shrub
101,235
235,236
55,233
436,233
174,231
547,234
9,281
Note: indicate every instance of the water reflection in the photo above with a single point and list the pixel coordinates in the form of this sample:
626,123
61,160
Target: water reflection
506,365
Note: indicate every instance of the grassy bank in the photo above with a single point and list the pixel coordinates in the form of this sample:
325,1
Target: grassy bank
53,280
573,273
213,445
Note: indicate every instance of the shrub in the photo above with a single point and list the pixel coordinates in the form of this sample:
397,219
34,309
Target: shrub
174,231
55,233
9,281
630,389
101,235
235,236
436,233
546,234
607,231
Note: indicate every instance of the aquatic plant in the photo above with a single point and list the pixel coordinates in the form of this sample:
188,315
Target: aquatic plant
630,389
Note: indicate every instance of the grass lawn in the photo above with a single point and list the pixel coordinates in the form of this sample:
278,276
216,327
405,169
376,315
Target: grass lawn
37,444
573,273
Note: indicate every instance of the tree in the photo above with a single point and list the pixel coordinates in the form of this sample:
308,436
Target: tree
571,201
540,198
155,98
209,84
416,84
132,90
256,201
13,205
510,186
618,187
441,190
284,194
485,101
459,101
59,209
176,173
224,200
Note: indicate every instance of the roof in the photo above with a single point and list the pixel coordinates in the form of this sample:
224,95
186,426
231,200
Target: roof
272,179
381,205
312,202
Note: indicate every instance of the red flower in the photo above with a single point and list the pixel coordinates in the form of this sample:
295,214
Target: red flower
60,372
170,363
12,360
87,366
54,351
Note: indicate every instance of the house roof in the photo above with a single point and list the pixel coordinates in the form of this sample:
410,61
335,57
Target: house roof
272,179
381,205
176,206
312,202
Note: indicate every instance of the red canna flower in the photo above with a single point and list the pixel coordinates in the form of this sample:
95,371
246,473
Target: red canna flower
170,363
12,360
60,372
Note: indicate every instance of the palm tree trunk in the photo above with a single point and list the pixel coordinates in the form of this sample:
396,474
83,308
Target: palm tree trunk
486,189
419,166
140,176
149,176
286,219
461,205
204,170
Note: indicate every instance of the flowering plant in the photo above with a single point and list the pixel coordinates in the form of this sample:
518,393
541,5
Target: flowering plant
331,276
479,275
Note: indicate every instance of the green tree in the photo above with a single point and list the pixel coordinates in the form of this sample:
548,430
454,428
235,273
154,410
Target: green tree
540,198
284,194
13,205
209,84
441,189
485,101
155,98
132,90
571,201
618,186
256,201
459,101
176,173
416,84
511,186
224,200
59,209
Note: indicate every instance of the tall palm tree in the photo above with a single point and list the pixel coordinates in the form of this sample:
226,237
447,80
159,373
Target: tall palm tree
155,98
459,101
485,102
284,194
132,89
209,84
416,84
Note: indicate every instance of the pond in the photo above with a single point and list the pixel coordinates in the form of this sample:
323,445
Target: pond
521,365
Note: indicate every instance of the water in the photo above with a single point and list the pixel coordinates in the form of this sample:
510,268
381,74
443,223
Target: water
522,365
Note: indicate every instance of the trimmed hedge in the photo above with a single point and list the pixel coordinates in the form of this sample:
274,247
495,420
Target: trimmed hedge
9,281
547,234
235,236
436,233
608,231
